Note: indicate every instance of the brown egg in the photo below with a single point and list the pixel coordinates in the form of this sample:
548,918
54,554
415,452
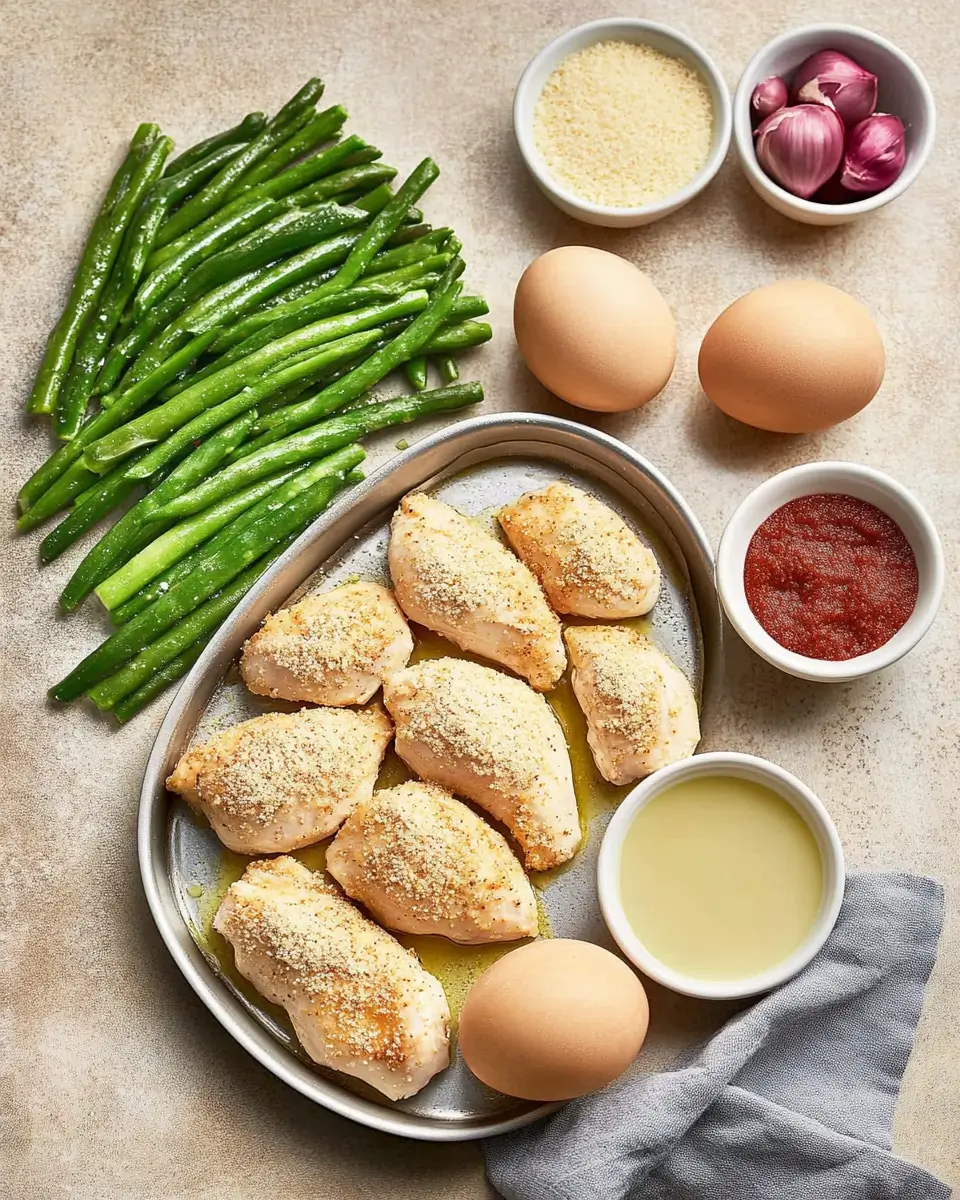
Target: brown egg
594,329
553,1020
793,357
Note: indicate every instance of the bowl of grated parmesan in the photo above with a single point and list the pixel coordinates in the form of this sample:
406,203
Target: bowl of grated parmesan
622,121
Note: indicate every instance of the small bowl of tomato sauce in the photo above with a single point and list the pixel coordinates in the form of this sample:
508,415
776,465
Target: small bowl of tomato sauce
830,571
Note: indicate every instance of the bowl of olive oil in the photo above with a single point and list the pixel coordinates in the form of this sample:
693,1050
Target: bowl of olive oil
721,876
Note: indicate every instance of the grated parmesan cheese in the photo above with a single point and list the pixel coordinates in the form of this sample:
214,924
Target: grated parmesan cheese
622,124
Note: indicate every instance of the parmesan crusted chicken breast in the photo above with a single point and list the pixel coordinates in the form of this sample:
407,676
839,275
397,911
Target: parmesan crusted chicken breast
640,709
457,579
333,648
423,862
358,1001
590,563
284,780
491,738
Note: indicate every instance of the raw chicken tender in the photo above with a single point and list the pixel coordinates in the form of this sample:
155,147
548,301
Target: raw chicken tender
491,738
284,780
423,862
333,648
453,576
358,1001
641,711
590,563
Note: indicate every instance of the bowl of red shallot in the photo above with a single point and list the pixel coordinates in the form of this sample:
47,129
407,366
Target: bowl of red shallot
832,122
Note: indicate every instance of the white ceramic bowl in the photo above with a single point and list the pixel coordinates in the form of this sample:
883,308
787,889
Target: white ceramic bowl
619,29
742,766
902,90
848,479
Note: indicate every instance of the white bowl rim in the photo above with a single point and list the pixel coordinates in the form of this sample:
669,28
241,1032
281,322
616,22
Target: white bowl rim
744,143
723,116
791,789
788,485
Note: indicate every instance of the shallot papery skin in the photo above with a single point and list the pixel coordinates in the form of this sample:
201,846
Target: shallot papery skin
875,154
831,78
768,96
801,147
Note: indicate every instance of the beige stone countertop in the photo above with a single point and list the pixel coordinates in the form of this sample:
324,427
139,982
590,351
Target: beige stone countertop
114,1080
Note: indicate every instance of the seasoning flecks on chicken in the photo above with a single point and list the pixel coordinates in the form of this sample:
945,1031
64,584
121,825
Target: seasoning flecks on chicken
284,780
489,737
423,862
457,579
358,1001
640,709
333,648
590,563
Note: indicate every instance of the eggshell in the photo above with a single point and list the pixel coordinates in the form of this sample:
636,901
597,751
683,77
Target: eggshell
594,329
793,357
553,1020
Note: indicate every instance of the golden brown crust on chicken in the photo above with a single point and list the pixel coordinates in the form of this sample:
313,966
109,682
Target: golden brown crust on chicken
423,862
457,579
590,563
359,1002
284,780
334,648
640,709
491,738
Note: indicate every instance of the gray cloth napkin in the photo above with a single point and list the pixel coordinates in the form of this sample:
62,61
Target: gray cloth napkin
792,1100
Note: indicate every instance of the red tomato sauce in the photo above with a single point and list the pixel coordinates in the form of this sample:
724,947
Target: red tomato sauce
830,577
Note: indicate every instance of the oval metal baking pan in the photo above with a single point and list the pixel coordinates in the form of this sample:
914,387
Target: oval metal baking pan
477,465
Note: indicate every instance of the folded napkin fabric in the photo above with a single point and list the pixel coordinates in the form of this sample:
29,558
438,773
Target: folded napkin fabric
792,1100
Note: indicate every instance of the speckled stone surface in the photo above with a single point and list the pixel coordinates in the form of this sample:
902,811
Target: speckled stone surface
114,1080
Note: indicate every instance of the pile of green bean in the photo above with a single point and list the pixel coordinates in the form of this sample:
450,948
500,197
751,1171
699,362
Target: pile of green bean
213,367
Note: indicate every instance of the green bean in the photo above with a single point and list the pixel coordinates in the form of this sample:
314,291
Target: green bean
215,194
304,100
157,424
311,443
455,338
246,131
357,179
384,224
101,326
372,369
279,496
159,681
62,476
174,270
320,128
292,230
109,491
171,546
307,366
290,181
91,276
447,367
126,537
186,596
415,370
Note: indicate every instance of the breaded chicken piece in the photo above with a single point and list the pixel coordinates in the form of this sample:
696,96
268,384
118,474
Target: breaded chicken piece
423,862
333,648
457,579
284,780
590,563
640,709
490,738
358,1001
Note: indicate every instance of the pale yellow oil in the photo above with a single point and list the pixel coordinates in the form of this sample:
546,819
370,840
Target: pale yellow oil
457,967
720,878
